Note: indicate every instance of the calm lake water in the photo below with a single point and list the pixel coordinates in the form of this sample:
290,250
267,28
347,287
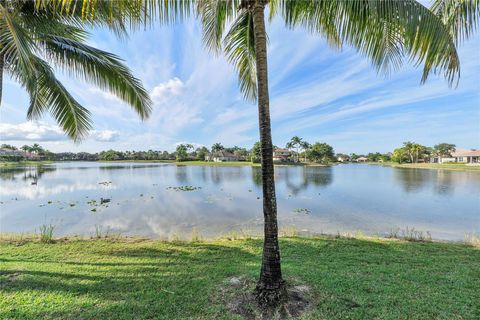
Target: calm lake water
145,199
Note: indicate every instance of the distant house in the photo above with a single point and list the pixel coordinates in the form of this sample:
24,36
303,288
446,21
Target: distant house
223,156
460,155
343,158
11,155
282,155
362,159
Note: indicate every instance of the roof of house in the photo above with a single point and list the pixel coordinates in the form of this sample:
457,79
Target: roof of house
362,158
466,153
281,150
223,153
9,152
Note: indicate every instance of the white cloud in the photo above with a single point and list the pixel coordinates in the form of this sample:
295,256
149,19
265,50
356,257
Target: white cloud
105,135
166,90
40,131
31,131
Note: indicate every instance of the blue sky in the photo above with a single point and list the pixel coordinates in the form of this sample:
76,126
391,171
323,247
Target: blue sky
318,93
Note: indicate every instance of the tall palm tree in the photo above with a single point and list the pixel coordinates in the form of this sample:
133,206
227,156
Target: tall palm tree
305,146
386,31
32,39
295,143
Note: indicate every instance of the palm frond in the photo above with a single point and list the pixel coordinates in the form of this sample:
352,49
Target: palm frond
460,16
386,31
47,94
215,15
125,12
103,69
16,45
239,46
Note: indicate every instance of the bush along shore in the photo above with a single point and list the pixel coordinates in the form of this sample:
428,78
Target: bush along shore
128,278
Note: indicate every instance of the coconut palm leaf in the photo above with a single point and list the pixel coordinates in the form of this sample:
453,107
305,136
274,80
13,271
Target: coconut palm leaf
460,16
100,68
31,36
386,31
239,47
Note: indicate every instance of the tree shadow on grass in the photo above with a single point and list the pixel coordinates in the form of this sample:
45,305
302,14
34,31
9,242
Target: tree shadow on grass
143,282
350,278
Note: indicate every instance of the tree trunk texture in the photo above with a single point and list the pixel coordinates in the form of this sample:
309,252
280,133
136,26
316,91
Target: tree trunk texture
270,287
1,76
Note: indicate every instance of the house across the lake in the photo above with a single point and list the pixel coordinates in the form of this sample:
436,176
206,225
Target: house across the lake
362,159
11,155
459,155
223,156
282,155
343,158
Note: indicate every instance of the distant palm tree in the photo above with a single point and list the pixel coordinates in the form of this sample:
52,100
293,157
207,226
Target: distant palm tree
295,143
305,146
32,38
386,31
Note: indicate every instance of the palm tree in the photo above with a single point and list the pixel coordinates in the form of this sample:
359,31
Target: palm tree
386,31
32,39
305,146
217,147
295,143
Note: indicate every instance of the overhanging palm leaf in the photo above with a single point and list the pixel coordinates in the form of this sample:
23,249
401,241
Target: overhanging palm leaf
460,16
27,34
385,31
101,68
240,50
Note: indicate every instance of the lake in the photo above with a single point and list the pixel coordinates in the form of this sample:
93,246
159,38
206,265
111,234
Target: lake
168,201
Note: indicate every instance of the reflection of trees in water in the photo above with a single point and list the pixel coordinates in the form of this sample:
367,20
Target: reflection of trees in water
25,173
257,176
415,180
220,174
445,181
181,174
412,180
297,179
318,176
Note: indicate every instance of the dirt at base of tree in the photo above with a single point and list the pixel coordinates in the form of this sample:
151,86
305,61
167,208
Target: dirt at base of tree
238,296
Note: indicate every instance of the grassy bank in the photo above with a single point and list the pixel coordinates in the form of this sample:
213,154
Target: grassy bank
121,279
23,163
458,167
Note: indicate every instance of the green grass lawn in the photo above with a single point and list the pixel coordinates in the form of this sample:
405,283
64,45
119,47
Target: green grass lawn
120,279
446,166
23,163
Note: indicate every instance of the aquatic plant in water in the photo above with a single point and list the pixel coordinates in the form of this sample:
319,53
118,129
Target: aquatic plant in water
184,188
302,210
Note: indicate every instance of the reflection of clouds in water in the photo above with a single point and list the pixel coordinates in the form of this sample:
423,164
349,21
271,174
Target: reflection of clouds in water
39,191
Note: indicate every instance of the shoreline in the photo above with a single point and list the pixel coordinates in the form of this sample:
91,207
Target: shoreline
429,166
469,239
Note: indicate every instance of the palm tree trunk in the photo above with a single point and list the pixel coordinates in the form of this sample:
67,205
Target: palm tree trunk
1,76
270,287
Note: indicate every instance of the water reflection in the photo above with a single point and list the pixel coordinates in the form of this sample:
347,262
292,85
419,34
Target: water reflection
341,198
33,173
442,182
